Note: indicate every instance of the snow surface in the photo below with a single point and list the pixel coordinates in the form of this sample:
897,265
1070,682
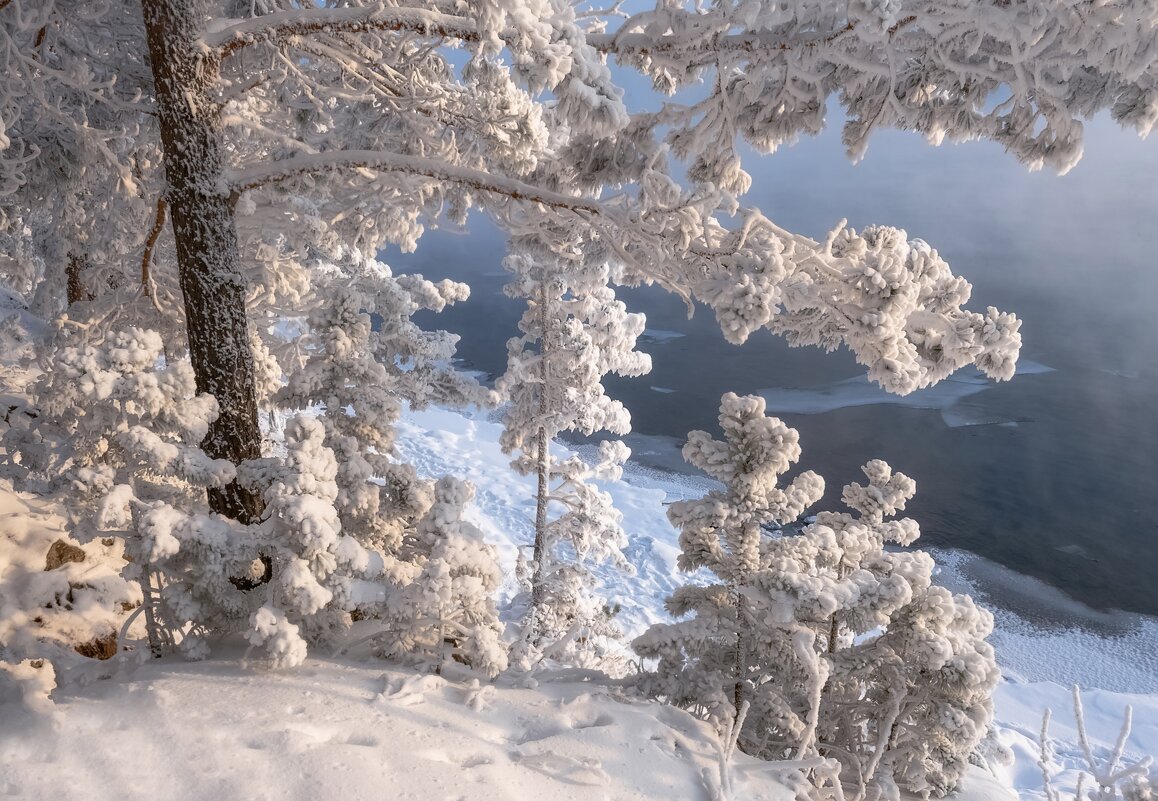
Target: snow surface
348,730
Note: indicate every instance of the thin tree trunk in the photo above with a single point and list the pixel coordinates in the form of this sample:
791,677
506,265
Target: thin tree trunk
208,260
741,666
542,458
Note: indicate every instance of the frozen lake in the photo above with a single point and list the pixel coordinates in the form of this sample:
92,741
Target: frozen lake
1054,474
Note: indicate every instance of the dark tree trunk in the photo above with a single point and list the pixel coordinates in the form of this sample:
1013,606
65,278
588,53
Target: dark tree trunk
75,289
208,260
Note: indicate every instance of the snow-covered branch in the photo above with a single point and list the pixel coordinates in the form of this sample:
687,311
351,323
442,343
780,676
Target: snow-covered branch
286,25
333,161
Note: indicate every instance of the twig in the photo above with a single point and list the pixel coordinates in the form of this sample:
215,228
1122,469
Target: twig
150,243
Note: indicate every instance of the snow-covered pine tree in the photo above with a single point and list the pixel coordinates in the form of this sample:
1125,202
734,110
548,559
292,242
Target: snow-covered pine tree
199,570
716,660
118,431
79,157
313,561
841,647
574,333
447,610
361,378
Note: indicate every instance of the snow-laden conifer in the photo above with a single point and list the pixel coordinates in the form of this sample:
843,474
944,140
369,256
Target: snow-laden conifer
361,378
446,610
716,660
574,333
841,647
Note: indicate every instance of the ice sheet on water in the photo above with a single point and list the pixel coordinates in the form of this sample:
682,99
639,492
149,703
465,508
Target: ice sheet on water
1044,635
660,336
945,397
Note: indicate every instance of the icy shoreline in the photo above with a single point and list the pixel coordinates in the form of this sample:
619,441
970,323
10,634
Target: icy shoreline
443,441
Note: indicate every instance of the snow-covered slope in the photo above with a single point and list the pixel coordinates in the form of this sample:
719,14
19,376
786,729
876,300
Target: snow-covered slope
347,729
343,730
1113,672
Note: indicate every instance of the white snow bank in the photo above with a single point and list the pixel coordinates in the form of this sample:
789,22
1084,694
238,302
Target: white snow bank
1020,708
1069,643
344,731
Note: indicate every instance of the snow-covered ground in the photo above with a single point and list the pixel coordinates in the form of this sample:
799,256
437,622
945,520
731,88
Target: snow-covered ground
352,728
354,731
1040,664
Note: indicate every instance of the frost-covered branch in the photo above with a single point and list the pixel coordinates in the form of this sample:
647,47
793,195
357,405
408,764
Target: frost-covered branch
226,39
318,163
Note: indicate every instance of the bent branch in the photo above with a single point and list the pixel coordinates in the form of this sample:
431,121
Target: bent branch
311,164
289,24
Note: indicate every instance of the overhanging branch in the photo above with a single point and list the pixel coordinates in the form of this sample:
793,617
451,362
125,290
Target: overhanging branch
340,160
289,24
641,44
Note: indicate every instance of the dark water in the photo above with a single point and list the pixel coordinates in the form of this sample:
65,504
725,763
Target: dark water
1054,474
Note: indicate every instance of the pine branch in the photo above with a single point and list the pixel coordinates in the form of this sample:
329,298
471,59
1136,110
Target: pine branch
285,25
312,164
641,44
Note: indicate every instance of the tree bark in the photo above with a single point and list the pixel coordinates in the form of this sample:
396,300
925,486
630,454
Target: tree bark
208,259
739,691
75,289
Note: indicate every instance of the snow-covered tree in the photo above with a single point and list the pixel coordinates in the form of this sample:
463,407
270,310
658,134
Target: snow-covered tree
716,661
79,157
575,332
446,609
201,571
362,378
260,165
840,647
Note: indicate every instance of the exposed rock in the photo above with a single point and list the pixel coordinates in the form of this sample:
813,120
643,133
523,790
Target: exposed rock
99,647
62,552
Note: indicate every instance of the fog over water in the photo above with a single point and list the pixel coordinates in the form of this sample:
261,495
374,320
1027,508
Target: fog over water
1054,474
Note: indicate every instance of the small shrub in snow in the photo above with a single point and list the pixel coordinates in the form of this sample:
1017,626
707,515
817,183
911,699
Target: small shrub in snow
1114,778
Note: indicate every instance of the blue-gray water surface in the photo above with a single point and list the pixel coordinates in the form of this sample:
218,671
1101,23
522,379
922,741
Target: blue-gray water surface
1054,474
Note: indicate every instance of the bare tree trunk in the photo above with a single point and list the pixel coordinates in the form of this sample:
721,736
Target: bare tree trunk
208,260
543,460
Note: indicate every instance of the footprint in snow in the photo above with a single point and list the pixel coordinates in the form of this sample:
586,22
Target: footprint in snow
591,722
567,769
409,691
